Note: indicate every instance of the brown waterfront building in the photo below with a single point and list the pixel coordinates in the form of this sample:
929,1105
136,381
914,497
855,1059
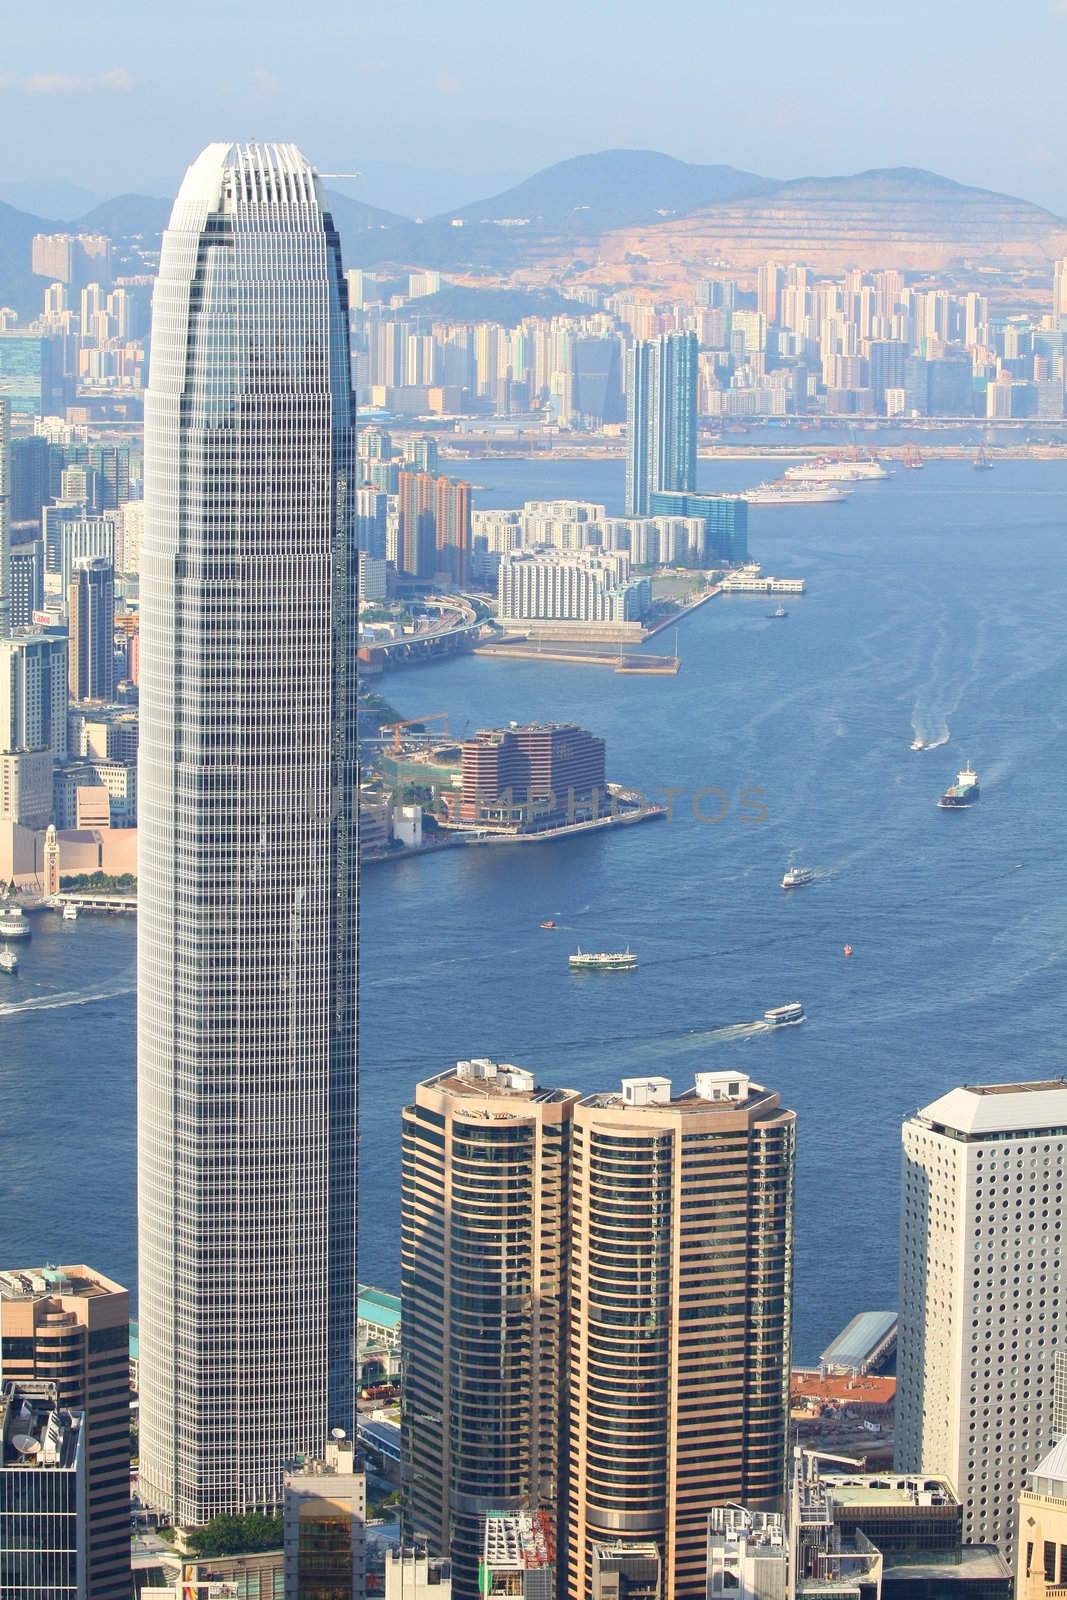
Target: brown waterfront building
70,1326
533,776
484,1261
679,1339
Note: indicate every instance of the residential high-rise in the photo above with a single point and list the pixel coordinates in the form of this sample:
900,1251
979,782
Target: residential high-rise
982,1306
91,617
435,528
43,1522
324,1512
680,1306
70,1327
84,536
33,693
661,417
27,583
247,871
484,1264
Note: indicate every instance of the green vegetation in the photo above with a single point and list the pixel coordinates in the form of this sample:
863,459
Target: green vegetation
236,1535
122,883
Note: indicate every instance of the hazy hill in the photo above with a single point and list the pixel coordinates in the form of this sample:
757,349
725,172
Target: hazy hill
612,188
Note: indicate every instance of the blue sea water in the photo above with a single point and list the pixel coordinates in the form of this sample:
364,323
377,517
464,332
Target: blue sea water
936,604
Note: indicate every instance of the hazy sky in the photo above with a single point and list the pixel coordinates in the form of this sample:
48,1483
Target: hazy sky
441,101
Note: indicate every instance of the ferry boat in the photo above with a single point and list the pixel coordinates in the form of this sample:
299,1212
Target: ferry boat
795,494
797,877
825,470
964,792
785,1016
13,923
70,913
9,961
603,960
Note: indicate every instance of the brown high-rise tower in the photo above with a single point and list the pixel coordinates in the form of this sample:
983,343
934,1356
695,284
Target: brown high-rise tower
680,1301
70,1326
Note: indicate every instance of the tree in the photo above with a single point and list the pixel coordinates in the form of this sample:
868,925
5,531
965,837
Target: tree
236,1535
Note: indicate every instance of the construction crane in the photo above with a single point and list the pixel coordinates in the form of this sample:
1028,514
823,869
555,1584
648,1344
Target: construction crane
413,722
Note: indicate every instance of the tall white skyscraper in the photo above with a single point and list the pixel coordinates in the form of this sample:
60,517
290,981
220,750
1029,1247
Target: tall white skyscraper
5,521
247,928
983,1293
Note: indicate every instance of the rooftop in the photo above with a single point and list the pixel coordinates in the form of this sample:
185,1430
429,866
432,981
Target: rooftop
34,1432
516,1540
30,1283
481,1079
711,1091
1050,1474
977,1109
377,1305
860,1341
881,1489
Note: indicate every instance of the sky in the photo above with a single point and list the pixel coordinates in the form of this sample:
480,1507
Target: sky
440,102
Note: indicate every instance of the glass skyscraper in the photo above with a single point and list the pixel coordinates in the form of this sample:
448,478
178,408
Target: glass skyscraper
661,418
247,927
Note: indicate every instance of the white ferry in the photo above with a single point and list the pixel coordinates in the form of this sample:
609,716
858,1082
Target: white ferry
9,961
797,877
13,923
795,494
785,1016
826,471
603,960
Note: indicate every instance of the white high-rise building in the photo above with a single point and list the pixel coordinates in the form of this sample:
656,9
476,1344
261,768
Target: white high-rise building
247,894
983,1293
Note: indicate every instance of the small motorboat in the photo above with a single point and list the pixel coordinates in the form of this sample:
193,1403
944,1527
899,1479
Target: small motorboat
70,913
918,744
848,950
780,611
548,924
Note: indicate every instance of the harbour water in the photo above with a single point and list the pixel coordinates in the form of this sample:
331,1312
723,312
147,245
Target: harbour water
935,608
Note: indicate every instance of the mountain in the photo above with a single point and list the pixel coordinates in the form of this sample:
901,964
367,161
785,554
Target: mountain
893,217
142,217
587,194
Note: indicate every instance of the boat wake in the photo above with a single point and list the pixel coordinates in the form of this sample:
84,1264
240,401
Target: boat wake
57,1002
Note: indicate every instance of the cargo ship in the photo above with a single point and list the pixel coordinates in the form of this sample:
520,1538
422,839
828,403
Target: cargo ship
603,960
964,792
785,1016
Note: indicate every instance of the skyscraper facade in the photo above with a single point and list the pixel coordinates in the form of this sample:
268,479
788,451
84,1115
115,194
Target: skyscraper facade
5,517
661,418
680,1308
982,1306
91,616
484,1267
247,893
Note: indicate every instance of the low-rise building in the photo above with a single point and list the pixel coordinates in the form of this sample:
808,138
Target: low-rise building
1041,1545
412,1574
748,1554
518,1555
324,1511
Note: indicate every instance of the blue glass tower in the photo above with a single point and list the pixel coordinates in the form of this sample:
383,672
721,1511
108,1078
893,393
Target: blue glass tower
661,418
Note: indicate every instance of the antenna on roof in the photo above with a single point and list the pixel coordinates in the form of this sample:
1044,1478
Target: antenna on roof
340,174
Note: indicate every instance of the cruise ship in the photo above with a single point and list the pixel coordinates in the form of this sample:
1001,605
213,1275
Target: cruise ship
964,792
603,960
826,471
795,494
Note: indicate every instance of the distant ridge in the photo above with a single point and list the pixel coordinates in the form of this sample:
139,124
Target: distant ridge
618,217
